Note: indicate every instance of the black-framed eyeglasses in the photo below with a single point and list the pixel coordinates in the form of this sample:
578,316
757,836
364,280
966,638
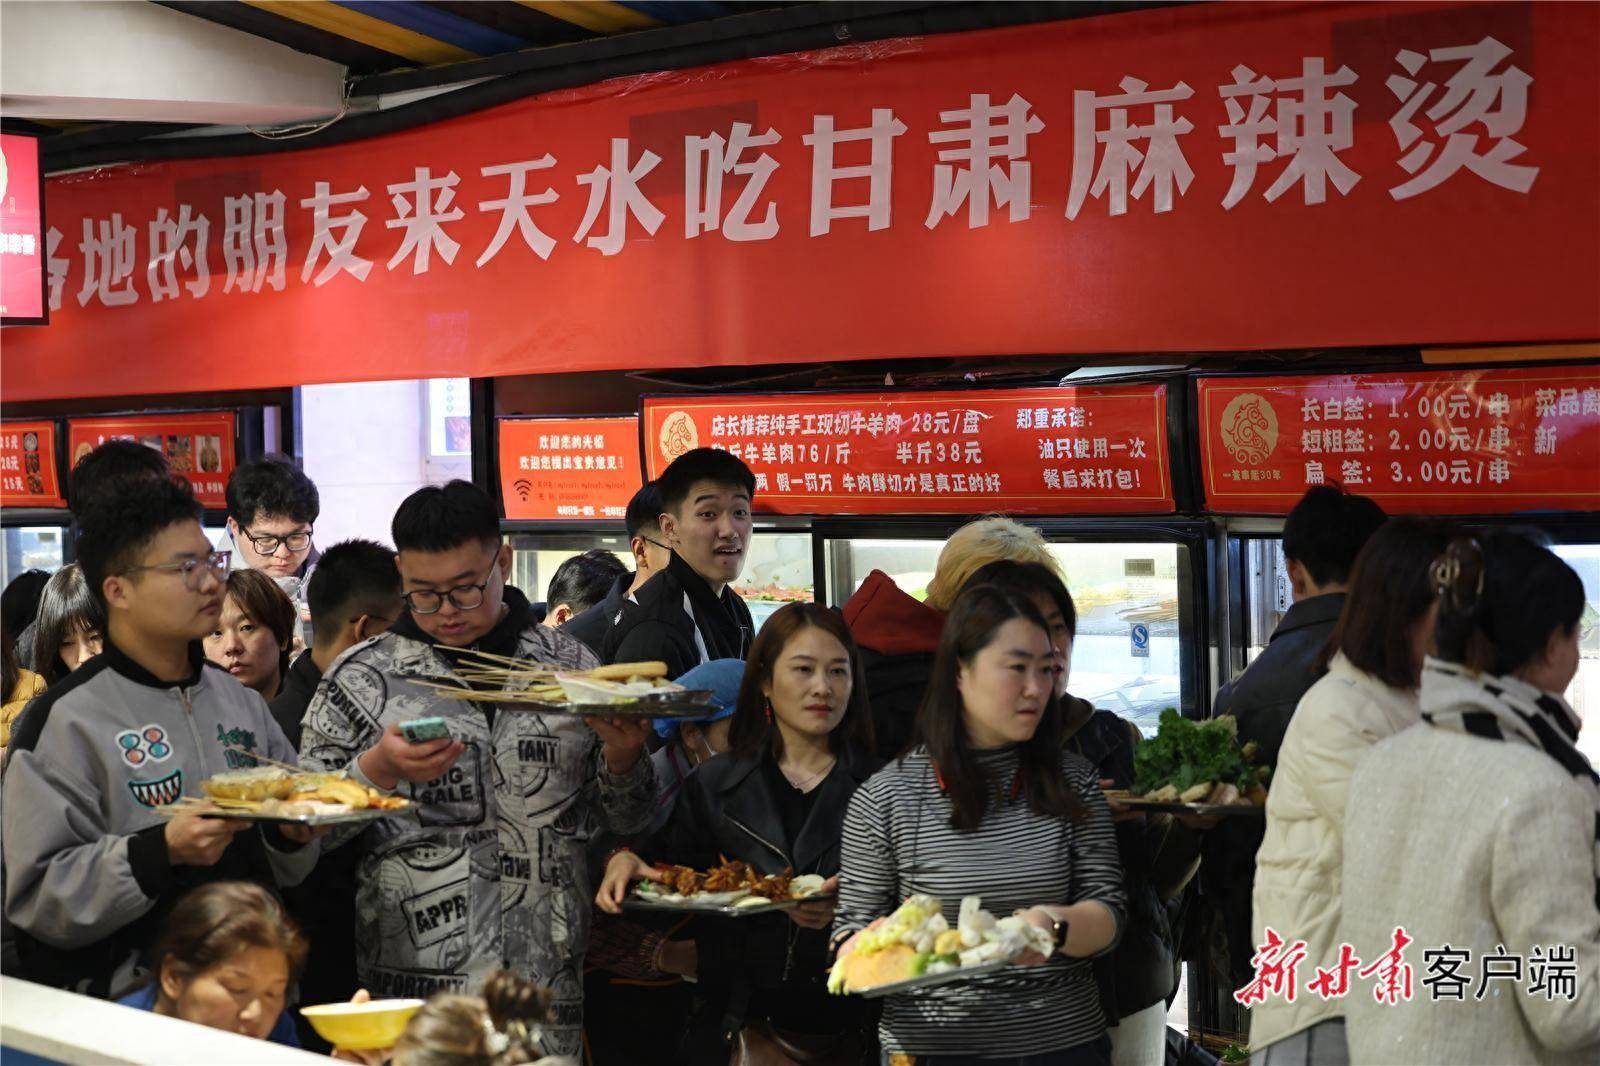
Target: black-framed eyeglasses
462,597
193,570
267,543
657,543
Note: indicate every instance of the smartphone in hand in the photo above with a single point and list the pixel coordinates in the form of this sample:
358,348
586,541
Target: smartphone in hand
422,730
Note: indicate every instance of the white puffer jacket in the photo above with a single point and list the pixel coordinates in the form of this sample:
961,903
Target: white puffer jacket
1297,887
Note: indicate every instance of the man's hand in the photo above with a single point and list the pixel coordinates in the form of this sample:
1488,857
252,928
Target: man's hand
302,834
196,841
1119,812
394,758
622,741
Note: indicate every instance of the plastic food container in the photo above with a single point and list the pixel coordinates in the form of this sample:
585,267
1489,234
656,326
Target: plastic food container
362,1026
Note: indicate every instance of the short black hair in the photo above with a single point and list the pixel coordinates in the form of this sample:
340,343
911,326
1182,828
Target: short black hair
702,464
437,518
1025,579
19,603
583,580
644,510
114,462
352,578
272,485
1391,589
1327,529
121,522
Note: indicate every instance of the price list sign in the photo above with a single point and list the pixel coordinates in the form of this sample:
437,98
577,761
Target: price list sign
1100,449
28,475
569,469
1418,442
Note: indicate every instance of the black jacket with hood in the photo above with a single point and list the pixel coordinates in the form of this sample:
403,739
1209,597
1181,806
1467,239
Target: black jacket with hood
675,619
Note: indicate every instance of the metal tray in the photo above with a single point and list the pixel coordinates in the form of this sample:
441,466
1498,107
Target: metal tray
687,704
344,818
723,910
1211,810
956,976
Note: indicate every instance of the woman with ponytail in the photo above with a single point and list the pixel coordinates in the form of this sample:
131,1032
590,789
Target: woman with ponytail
800,744
1479,829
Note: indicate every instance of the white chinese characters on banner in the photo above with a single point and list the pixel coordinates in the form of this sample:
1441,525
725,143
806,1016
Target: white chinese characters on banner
878,170
972,174
1310,129
1161,164
1473,95
705,161
618,183
1459,108
340,247
514,206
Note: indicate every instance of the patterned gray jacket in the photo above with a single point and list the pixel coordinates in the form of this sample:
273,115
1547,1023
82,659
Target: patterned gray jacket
489,872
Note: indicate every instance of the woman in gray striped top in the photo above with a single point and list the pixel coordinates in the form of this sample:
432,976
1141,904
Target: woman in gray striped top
987,803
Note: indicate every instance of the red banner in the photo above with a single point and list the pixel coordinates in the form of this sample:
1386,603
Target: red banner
1024,451
198,446
1445,442
28,474
569,469
1205,176
21,230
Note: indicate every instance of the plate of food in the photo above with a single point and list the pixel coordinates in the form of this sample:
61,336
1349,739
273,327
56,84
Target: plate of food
621,690
917,948
279,794
734,890
1192,767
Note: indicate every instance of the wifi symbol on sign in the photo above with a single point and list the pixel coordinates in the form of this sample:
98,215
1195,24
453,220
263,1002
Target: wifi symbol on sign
523,487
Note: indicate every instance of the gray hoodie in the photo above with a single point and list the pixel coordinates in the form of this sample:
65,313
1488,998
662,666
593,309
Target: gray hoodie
88,878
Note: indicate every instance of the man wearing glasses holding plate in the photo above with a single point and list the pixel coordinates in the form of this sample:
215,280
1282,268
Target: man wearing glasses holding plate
92,861
490,871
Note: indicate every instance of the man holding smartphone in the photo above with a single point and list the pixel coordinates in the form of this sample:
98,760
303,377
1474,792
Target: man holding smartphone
489,872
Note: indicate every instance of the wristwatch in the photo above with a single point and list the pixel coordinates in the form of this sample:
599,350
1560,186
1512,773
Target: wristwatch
1058,933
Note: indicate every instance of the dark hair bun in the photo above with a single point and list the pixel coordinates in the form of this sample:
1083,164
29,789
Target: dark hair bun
514,999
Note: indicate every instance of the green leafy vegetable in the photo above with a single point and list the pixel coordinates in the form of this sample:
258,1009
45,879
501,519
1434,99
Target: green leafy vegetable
1185,753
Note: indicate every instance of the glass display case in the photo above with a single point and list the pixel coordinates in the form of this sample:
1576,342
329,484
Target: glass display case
31,548
1134,603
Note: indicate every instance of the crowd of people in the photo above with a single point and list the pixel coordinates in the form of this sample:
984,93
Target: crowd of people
1409,702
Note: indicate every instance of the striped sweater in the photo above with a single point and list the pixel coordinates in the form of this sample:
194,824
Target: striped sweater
898,841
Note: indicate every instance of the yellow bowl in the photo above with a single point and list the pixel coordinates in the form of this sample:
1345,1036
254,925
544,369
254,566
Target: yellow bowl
362,1026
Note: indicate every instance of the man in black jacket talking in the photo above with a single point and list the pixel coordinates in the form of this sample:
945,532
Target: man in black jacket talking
688,614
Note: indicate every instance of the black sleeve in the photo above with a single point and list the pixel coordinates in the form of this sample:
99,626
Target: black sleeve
651,641
689,837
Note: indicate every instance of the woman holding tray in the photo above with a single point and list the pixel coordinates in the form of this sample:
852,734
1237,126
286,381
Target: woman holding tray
800,740
986,803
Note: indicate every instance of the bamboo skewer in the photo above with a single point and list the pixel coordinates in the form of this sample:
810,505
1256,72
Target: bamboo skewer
240,749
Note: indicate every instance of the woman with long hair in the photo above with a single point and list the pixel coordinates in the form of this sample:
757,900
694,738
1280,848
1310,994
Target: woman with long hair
1375,657
255,632
800,741
70,628
1479,828
987,803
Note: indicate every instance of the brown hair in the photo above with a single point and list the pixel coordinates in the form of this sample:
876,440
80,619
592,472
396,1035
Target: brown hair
452,1030
1391,589
751,730
215,922
972,624
265,604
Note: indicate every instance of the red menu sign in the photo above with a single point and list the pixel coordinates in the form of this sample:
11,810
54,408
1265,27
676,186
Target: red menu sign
1418,442
198,446
569,468
1026,451
22,237
28,475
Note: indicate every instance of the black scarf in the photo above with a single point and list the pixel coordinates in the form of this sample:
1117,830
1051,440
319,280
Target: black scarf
1511,711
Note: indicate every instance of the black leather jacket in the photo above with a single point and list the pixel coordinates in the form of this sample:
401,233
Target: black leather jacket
726,807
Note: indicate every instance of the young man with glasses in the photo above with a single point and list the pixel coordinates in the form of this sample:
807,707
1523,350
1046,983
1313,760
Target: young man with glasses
650,557
272,507
489,873
91,863
688,613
